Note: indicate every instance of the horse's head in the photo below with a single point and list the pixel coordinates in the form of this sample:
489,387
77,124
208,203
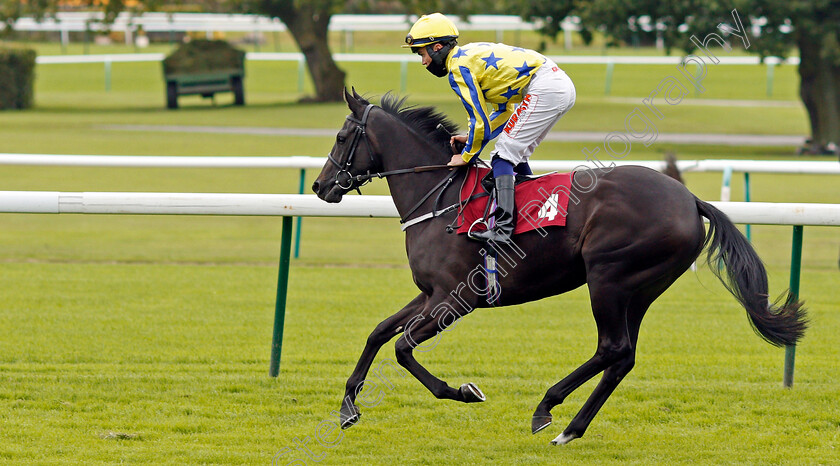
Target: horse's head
352,157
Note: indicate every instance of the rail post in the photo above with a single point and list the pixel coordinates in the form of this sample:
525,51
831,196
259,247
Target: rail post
608,80
795,268
280,303
770,68
403,76
107,64
747,199
301,73
299,219
725,189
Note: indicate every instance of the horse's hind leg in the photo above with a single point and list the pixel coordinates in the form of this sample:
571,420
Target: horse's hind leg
614,344
431,322
383,332
613,374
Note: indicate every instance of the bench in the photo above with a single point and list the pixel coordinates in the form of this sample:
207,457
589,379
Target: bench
206,84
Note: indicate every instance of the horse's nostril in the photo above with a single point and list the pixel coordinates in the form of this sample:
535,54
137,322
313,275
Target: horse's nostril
316,186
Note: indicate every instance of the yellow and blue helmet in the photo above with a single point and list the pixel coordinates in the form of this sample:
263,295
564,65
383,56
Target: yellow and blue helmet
430,29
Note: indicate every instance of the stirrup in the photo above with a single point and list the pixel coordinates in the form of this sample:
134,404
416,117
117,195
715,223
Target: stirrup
476,222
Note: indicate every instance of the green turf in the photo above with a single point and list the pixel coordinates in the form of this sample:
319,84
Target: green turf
167,364
145,339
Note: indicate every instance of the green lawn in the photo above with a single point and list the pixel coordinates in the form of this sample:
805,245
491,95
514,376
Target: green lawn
166,364
145,339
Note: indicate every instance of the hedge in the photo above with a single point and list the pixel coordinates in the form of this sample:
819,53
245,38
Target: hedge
17,78
201,55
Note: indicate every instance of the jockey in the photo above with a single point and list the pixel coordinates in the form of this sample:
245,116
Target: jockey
509,92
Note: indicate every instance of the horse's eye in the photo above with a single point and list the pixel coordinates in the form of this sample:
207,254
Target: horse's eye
340,139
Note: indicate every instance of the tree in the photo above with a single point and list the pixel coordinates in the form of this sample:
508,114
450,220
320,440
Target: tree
308,22
816,33
550,13
11,11
461,8
811,26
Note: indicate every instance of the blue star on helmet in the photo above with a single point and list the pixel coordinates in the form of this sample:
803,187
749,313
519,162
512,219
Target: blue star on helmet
491,61
509,93
524,70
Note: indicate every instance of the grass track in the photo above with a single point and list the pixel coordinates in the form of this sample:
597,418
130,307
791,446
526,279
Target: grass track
178,360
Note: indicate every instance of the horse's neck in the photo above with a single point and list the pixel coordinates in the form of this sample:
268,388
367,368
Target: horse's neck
408,189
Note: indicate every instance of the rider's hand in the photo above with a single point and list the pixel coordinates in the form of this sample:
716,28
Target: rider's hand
461,140
457,161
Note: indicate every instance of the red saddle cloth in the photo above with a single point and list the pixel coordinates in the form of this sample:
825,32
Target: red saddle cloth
540,202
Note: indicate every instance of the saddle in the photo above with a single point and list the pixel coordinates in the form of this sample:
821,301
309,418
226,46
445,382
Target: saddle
541,201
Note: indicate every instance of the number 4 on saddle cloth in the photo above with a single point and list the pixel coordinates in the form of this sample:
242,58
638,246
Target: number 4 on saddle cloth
541,201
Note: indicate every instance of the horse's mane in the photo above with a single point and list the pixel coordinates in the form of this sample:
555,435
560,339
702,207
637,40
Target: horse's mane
422,120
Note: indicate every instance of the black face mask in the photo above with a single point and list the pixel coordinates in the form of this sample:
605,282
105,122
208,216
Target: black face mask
438,65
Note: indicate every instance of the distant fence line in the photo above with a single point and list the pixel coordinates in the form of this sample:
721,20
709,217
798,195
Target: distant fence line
405,58
130,25
192,22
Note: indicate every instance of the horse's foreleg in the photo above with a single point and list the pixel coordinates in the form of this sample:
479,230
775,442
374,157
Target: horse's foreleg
383,332
420,329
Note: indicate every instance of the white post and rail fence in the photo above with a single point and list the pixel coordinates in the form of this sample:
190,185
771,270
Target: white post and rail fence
303,163
297,205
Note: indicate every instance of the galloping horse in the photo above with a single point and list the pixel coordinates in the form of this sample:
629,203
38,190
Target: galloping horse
629,237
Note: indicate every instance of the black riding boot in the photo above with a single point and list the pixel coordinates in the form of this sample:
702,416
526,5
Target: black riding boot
505,213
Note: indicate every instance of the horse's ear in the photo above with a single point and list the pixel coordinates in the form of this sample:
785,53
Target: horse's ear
353,101
356,94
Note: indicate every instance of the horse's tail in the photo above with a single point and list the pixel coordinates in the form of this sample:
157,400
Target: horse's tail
780,323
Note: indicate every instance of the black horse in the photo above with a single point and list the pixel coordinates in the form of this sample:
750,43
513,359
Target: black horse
630,234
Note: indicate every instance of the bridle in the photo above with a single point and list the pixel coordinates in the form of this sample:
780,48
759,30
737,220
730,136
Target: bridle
357,181
359,134
344,170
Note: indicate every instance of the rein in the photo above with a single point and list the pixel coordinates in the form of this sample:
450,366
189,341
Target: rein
425,168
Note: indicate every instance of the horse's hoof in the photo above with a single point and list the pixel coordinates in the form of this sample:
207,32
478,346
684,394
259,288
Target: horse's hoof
539,423
563,439
471,394
349,415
